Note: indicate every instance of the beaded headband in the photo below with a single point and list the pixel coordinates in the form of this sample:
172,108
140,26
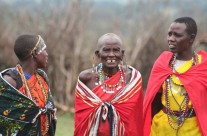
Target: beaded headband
40,45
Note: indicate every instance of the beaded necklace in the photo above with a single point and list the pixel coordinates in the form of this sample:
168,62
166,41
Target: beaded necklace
42,86
184,112
27,91
24,82
184,66
102,76
173,59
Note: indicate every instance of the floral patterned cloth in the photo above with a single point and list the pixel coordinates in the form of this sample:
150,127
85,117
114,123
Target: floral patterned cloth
20,115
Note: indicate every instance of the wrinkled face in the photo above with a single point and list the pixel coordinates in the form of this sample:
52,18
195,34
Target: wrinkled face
178,39
110,52
42,59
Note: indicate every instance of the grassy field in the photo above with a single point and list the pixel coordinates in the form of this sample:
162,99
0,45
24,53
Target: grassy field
64,124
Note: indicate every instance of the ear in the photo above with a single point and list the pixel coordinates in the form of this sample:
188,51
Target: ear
122,54
192,38
97,53
34,54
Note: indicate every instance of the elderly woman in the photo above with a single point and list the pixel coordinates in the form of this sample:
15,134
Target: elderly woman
109,96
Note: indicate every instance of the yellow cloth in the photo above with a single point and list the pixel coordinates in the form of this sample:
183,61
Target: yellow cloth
160,124
161,127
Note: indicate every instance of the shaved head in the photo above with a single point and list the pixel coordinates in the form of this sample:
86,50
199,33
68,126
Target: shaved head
104,39
24,45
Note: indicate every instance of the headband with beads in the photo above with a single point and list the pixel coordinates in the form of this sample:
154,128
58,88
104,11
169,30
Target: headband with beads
40,45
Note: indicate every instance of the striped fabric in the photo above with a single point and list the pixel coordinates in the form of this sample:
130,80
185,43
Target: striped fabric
125,104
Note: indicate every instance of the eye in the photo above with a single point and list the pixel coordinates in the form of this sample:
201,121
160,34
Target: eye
117,50
106,49
169,33
178,35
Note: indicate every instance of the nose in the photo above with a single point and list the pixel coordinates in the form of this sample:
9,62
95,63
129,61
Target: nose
170,38
46,53
111,53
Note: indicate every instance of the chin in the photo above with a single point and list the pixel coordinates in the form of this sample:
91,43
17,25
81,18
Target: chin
173,51
42,66
112,66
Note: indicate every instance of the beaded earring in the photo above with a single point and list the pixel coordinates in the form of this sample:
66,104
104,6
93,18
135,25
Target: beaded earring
93,65
95,62
97,71
124,63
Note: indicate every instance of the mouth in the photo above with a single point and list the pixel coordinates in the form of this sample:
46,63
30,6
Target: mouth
111,61
171,46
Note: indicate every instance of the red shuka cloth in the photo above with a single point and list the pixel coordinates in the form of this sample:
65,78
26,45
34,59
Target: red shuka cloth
128,107
194,81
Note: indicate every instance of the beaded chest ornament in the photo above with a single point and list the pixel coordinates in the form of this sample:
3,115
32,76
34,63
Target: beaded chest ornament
102,76
184,111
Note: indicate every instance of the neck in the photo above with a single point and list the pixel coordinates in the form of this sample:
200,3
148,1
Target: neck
110,71
28,67
185,55
194,57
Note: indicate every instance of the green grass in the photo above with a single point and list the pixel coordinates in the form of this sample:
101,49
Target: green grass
65,124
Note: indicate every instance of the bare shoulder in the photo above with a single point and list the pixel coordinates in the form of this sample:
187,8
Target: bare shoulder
128,72
86,75
10,80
